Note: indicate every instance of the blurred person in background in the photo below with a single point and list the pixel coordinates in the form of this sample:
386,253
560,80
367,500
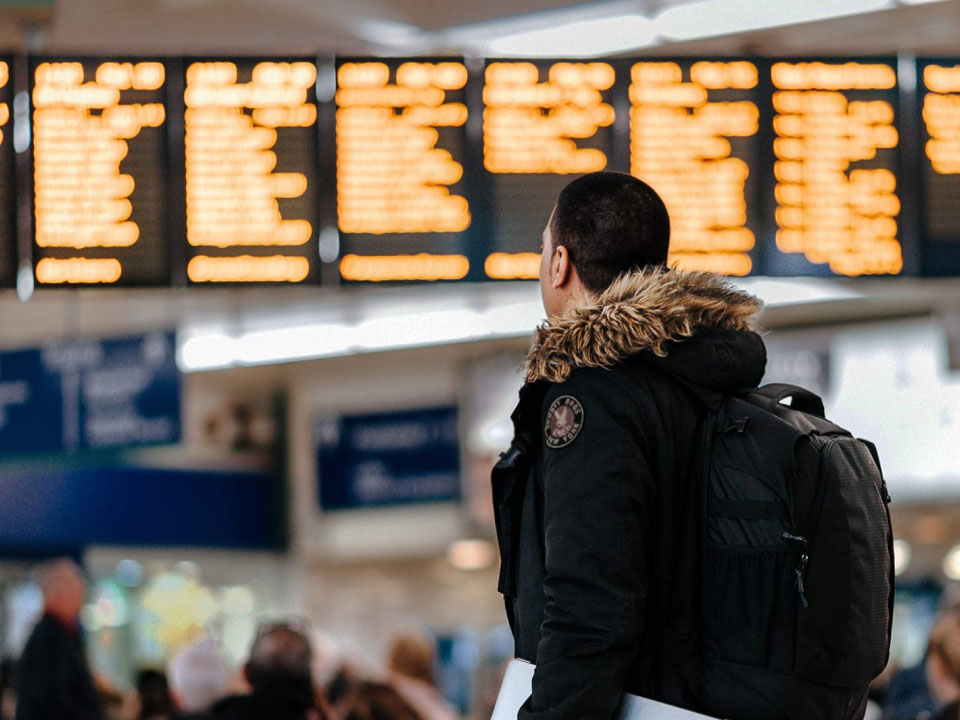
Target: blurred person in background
279,673
153,694
908,696
8,689
943,665
411,664
378,701
199,676
54,679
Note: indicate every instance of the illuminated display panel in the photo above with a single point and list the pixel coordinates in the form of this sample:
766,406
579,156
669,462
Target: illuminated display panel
402,209
836,203
99,148
693,138
544,123
8,236
938,96
251,162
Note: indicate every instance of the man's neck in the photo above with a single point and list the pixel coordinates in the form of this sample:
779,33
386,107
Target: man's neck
66,619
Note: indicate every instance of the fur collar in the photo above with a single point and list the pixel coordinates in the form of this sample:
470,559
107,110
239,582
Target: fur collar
643,310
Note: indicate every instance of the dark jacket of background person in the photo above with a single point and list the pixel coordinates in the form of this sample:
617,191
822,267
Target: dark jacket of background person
279,673
55,681
377,701
598,522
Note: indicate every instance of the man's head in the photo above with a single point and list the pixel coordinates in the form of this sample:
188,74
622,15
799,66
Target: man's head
412,655
603,225
199,676
280,662
63,587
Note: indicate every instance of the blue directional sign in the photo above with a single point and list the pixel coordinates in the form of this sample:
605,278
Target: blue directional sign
90,394
388,459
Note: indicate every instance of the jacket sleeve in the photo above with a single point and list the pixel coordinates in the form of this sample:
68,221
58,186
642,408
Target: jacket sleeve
596,495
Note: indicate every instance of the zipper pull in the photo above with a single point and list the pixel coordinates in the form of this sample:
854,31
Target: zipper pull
801,571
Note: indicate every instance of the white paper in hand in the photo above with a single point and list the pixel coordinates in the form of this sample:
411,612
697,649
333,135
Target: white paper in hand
518,684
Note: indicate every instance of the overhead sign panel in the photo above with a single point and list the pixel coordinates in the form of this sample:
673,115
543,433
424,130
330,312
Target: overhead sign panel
99,156
400,143
544,123
836,190
90,394
385,459
938,94
8,234
694,128
251,171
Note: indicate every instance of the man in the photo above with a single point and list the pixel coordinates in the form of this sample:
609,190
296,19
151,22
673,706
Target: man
199,676
597,514
55,680
280,678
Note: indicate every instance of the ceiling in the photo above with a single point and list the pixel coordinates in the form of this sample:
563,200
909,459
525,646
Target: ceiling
406,26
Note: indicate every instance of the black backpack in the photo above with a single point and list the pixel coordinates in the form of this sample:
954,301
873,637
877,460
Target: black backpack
798,562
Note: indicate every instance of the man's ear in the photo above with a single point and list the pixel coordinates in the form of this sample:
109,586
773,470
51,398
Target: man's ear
560,267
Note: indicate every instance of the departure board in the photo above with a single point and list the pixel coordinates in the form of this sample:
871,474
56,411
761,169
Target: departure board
544,123
99,155
251,160
836,202
8,235
938,94
693,138
400,140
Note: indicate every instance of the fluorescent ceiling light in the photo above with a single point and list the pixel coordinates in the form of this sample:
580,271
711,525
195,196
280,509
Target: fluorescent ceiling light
584,38
412,319
709,18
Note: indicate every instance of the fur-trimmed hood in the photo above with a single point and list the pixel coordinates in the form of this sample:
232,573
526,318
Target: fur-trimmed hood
650,311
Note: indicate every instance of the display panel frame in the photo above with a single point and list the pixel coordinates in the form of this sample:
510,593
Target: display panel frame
451,249
158,277
939,254
613,141
9,243
776,263
183,251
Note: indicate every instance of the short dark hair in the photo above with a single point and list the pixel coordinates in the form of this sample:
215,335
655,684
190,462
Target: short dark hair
280,663
610,223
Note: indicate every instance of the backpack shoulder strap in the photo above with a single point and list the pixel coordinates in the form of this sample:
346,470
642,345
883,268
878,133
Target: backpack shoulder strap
769,396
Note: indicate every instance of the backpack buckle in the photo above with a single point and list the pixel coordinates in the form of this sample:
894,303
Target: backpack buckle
737,424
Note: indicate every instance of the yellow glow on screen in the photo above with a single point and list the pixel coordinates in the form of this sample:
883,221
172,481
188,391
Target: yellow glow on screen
941,114
232,186
248,269
513,266
679,145
532,127
384,268
4,107
80,135
391,176
85,271
829,212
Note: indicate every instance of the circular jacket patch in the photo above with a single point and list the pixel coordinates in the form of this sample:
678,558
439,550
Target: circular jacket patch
564,420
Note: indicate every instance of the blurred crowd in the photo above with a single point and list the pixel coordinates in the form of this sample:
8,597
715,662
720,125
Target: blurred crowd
279,680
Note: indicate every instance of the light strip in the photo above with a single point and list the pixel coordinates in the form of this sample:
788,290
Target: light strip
710,18
585,38
411,319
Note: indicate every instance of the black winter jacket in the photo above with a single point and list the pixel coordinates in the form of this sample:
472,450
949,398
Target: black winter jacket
597,515
55,680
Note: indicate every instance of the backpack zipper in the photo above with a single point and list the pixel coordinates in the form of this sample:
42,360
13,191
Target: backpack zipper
800,571
813,522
